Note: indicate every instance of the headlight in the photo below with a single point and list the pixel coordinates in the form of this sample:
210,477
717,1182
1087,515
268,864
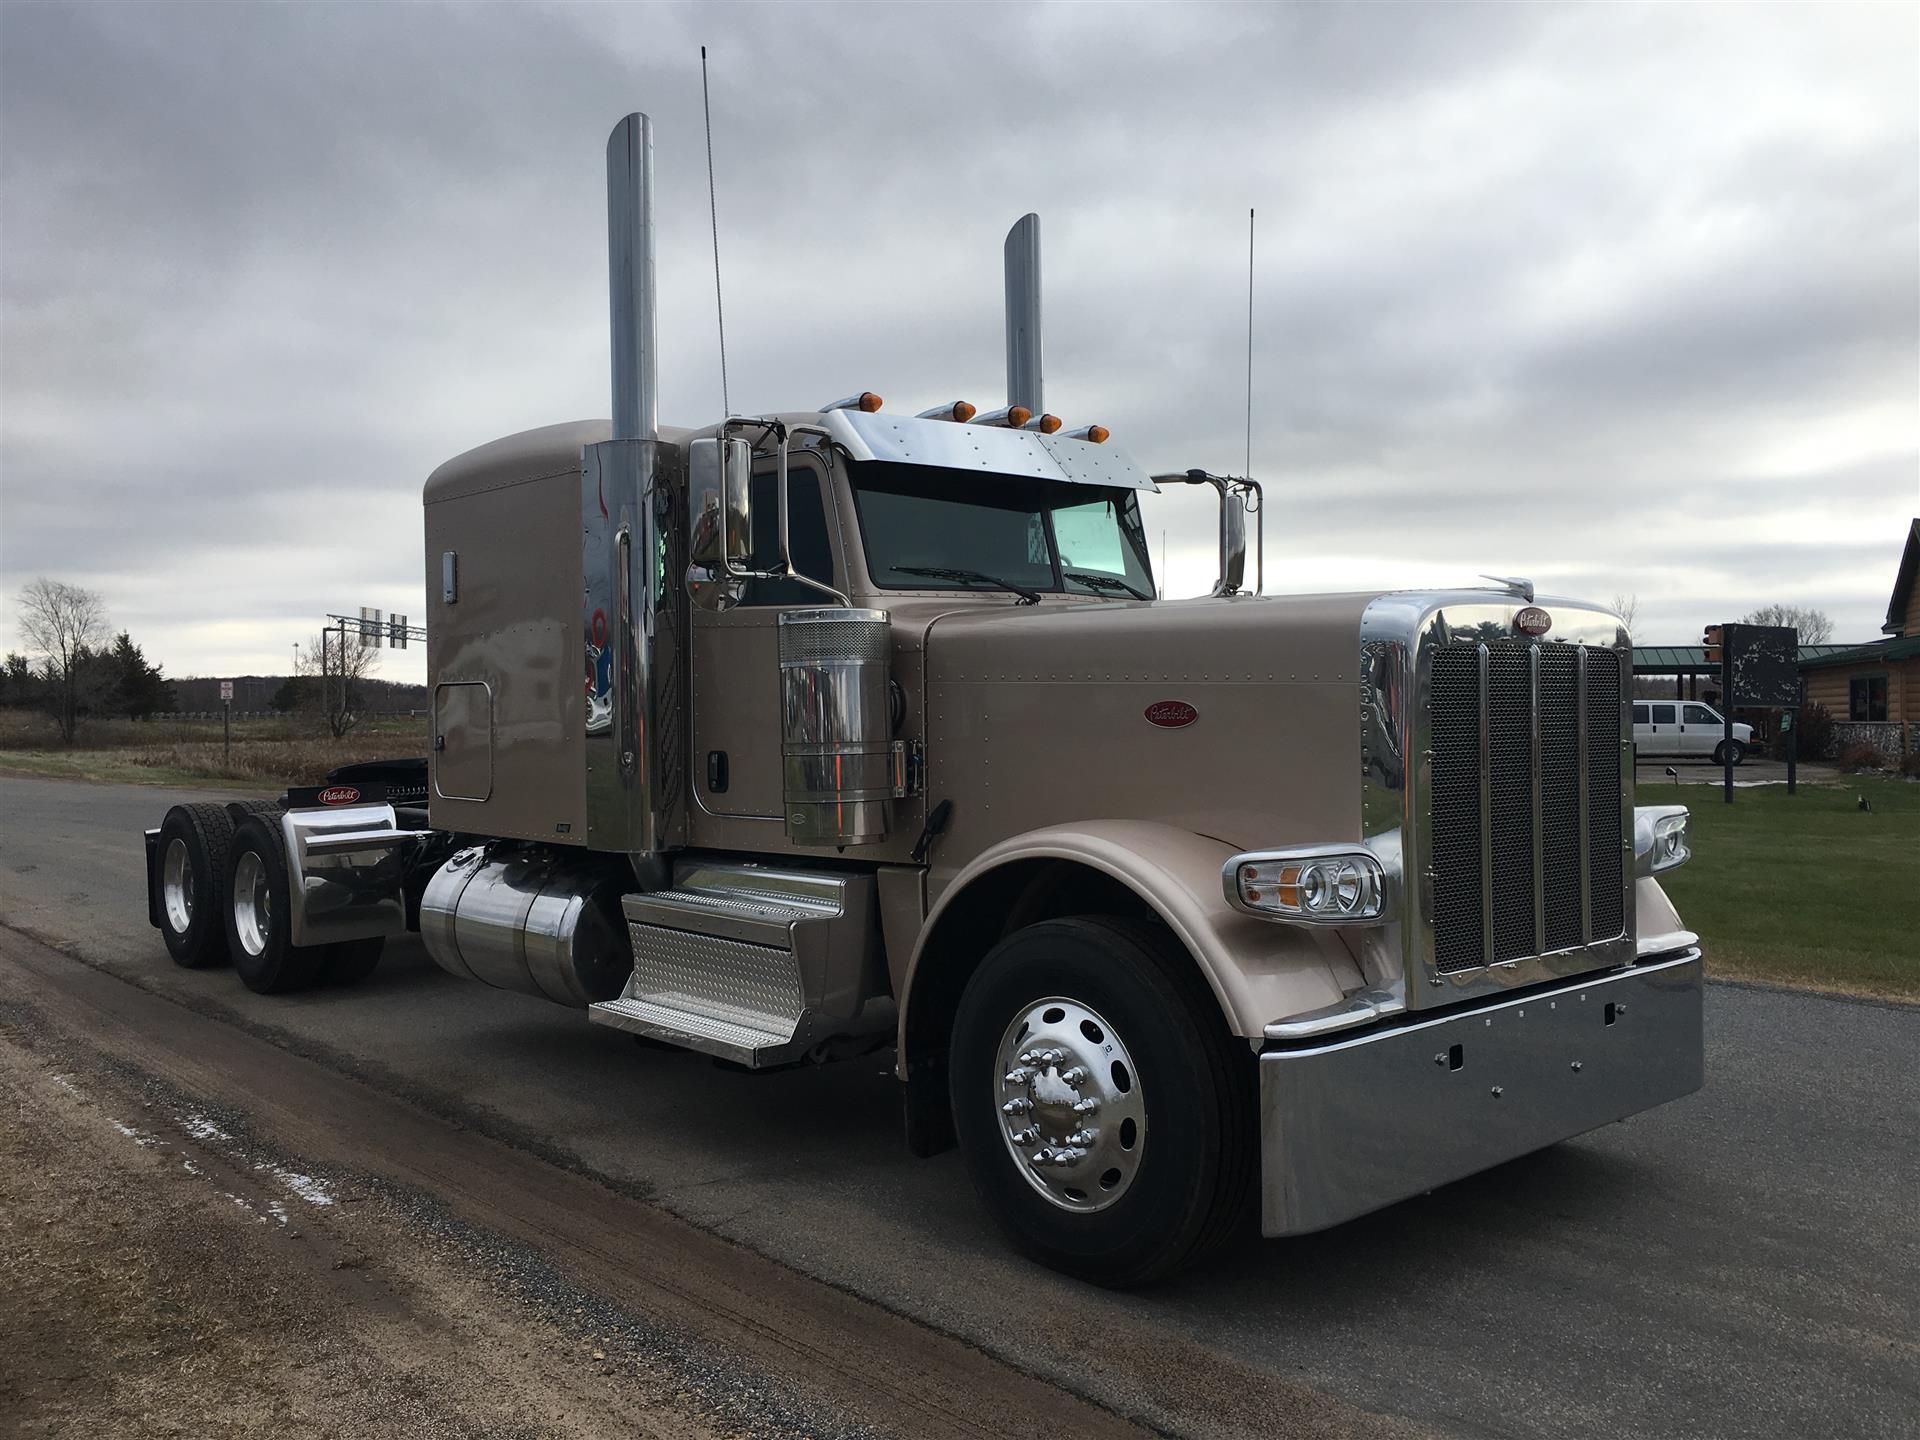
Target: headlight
1660,839
1308,886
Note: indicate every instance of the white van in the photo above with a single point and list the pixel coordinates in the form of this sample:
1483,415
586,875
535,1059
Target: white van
1686,727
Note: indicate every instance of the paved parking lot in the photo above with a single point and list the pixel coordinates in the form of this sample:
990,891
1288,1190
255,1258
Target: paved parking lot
1754,771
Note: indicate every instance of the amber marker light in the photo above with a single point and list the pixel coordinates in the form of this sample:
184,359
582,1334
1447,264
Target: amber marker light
1018,415
963,412
869,401
1097,434
1047,424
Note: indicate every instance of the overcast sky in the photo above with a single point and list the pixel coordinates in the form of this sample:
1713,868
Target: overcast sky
1626,300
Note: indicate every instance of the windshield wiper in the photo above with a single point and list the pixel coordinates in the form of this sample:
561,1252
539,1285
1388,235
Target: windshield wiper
973,577
1104,582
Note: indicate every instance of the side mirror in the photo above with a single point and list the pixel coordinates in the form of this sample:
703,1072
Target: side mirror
719,521
1233,543
739,488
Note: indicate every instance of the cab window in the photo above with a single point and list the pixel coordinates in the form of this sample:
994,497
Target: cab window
807,543
1700,715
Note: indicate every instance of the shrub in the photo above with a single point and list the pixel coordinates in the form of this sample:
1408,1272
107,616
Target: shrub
1910,764
1814,729
1862,756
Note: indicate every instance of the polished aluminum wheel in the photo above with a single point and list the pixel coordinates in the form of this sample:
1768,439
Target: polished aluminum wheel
252,904
176,886
1071,1107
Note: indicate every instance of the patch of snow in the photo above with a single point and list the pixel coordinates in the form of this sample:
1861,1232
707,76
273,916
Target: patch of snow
191,1168
133,1134
201,1128
67,1085
313,1191
278,1210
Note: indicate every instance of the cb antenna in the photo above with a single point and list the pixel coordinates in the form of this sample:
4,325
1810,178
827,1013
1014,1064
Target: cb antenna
1249,342
713,211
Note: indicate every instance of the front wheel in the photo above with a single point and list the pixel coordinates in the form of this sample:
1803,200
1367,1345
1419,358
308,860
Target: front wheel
1106,1116
1729,751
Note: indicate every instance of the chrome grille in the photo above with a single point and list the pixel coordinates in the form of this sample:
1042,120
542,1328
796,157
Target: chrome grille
1525,840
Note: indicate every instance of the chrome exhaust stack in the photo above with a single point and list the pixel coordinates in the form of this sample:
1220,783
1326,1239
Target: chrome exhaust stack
632,780
1024,386
630,281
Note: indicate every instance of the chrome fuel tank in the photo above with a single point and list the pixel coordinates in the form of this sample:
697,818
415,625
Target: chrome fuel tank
542,923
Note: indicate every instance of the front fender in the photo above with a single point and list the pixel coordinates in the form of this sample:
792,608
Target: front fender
1258,971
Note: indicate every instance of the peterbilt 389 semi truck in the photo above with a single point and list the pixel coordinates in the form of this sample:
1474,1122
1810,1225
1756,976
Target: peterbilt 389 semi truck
804,735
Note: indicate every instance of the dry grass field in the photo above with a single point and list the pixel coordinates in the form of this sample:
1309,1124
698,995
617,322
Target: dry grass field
266,754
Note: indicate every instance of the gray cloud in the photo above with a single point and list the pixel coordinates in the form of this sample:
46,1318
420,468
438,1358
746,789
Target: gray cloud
1623,299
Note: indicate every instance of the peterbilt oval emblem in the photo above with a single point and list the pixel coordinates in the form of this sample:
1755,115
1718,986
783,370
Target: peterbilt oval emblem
339,795
1533,621
1171,714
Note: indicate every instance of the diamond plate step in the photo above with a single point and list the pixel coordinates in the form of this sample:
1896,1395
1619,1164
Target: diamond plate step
709,1034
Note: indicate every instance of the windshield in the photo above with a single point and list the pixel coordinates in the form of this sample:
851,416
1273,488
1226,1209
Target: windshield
998,531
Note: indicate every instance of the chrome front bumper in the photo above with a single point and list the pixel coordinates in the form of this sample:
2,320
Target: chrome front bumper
1358,1122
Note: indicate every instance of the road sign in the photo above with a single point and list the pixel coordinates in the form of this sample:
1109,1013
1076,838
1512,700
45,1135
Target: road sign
1763,666
226,692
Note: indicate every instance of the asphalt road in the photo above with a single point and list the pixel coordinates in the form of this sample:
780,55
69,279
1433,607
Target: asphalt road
1743,1262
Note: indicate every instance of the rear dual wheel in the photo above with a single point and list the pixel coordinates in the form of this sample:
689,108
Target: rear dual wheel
258,921
1106,1116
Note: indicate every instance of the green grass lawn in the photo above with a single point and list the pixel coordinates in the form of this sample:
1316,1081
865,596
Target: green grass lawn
1808,889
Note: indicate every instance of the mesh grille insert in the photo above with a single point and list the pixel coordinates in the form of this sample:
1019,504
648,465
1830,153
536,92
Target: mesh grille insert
1503,921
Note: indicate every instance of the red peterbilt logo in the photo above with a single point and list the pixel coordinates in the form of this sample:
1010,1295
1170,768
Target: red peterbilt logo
339,795
1171,714
1533,621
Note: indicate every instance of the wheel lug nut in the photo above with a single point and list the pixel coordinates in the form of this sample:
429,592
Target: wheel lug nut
1086,1106
1075,1075
1083,1137
1028,1136
1020,1105
1019,1076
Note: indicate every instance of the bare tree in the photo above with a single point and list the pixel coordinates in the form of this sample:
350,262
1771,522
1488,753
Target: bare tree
328,680
63,624
1815,627
1626,607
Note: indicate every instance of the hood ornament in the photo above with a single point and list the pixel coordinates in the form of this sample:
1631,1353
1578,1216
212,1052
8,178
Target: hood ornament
1513,585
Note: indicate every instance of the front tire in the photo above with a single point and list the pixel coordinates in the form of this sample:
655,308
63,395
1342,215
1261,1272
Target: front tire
1720,754
258,916
1106,1116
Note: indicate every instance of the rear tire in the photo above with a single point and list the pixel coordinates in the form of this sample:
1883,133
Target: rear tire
190,879
258,917
348,962
1720,754
1160,1170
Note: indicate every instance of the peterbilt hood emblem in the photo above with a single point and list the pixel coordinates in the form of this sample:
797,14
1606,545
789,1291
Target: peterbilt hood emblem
339,795
1171,714
1532,620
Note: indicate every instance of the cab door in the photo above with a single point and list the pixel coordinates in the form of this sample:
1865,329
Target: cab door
735,653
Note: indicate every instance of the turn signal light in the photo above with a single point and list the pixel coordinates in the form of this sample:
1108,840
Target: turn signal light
1045,424
959,411
1309,887
1096,434
1014,417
